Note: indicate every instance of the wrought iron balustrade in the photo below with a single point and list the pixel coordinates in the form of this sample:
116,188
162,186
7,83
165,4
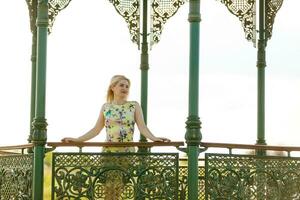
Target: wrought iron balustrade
16,169
235,176
115,175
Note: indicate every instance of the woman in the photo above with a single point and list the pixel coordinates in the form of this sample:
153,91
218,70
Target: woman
119,117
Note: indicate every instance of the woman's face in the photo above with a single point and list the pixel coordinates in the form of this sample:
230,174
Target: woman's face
121,89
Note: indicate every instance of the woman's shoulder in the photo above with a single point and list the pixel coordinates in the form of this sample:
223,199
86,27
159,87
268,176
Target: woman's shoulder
105,106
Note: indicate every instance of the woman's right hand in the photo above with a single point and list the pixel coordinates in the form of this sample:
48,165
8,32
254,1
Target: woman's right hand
69,139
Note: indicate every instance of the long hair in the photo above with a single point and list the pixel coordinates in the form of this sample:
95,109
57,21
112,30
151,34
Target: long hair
113,82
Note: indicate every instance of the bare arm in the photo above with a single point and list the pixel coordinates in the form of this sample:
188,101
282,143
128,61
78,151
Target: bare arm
139,119
91,133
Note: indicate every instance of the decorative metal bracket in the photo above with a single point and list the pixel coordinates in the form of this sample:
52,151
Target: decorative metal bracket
245,10
185,149
161,11
272,8
32,7
55,6
130,11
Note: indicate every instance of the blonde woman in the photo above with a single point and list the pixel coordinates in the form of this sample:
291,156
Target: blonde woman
118,116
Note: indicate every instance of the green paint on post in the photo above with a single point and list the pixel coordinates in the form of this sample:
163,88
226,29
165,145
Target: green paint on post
39,136
193,124
33,83
261,64
144,67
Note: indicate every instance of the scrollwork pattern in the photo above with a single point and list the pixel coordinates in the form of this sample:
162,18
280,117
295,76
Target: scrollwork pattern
161,11
16,177
245,11
54,7
32,8
272,7
250,177
125,176
130,11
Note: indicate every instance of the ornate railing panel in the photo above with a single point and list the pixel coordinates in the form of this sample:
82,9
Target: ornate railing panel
16,176
116,175
252,177
183,185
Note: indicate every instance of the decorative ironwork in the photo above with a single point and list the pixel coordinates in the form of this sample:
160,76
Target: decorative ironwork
118,175
130,11
161,11
183,184
16,177
32,7
55,6
272,8
252,177
245,11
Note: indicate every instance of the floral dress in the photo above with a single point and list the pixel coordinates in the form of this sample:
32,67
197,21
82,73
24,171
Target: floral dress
119,124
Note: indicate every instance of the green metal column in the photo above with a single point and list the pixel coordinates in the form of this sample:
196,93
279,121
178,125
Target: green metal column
144,65
193,135
261,64
33,83
39,136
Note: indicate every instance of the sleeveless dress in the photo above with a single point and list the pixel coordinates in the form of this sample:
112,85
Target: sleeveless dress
119,124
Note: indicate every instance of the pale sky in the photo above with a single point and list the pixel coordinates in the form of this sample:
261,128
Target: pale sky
90,43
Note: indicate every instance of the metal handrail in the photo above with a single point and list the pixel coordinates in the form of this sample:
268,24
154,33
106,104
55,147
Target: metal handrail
249,146
16,147
114,144
8,149
231,146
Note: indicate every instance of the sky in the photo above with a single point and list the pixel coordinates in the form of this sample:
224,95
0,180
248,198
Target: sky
90,43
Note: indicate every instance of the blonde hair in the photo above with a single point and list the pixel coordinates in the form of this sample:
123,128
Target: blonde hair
113,82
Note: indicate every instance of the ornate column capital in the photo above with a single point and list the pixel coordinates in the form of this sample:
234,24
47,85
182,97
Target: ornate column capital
193,135
39,135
